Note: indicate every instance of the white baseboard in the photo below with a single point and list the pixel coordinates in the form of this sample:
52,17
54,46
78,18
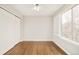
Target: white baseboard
8,48
36,40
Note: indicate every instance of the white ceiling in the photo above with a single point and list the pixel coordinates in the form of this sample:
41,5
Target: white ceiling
45,9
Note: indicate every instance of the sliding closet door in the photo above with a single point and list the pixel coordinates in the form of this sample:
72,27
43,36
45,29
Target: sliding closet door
76,23
67,24
9,30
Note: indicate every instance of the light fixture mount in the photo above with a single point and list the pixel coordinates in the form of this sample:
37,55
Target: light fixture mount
37,4
36,7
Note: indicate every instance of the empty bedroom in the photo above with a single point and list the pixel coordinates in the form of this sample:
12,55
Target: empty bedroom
39,29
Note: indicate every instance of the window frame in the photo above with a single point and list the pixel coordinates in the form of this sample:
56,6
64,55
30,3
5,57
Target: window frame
70,22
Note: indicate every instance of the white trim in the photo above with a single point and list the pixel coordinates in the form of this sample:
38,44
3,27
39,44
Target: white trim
67,42
36,40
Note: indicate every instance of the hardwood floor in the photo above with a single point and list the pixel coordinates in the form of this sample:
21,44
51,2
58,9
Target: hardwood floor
35,48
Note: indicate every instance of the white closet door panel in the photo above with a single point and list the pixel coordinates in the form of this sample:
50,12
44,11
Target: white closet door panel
9,30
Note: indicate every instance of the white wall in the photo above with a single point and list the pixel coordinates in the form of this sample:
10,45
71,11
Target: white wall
9,31
57,24
37,28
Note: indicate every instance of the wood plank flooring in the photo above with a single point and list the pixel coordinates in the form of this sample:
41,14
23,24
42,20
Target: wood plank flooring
36,48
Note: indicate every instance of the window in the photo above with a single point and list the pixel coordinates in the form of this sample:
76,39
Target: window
76,23
67,24
70,24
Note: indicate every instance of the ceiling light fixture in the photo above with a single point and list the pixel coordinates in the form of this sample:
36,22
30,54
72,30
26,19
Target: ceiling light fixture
36,7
